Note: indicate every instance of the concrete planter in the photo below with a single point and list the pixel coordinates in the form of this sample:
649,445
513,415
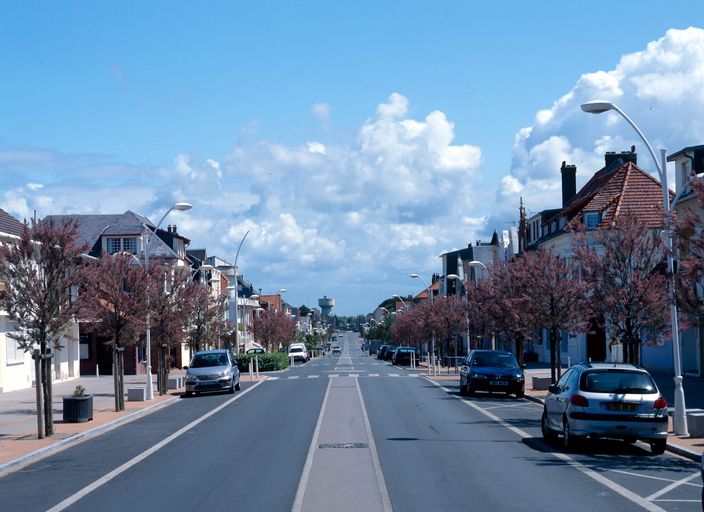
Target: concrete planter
78,409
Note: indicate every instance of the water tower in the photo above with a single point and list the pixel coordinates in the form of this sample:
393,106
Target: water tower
326,305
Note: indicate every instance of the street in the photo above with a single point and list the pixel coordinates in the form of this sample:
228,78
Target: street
349,432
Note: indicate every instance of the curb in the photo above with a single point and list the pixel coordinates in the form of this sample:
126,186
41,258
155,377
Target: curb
673,448
22,461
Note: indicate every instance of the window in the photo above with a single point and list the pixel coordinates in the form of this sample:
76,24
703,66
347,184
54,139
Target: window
15,355
592,219
115,245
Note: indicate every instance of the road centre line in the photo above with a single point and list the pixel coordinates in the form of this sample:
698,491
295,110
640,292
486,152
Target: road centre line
135,460
626,493
305,474
385,499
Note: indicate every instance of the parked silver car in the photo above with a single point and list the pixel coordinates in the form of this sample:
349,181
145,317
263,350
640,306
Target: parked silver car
212,370
606,400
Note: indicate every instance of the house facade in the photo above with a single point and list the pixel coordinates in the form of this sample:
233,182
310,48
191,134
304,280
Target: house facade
17,366
619,187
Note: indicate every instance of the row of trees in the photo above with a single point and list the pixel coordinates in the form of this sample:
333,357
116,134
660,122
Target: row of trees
50,282
615,277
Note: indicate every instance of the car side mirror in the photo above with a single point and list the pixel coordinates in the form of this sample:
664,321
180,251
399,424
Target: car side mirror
553,388
185,367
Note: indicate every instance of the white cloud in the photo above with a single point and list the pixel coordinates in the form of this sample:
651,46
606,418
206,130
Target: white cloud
661,88
321,110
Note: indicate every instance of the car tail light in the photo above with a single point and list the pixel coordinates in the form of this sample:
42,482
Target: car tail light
660,403
579,401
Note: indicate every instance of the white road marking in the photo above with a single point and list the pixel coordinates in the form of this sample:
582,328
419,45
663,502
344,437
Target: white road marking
673,485
313,376
385,499
650,477
393,375
292,377
303,482
333,375
135,460
373,375
626,493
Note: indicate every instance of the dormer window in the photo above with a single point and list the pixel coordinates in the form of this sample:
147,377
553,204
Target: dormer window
592,219
122,244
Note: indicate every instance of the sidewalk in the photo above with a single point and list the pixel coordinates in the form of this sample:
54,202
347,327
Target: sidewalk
18,417
691,448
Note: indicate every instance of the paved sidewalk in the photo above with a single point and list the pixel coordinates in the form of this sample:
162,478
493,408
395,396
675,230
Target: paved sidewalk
689,447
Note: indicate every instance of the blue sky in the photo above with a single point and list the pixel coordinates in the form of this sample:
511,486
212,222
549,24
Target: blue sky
356,141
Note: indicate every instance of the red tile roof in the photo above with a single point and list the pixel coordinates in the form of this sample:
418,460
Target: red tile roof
615,191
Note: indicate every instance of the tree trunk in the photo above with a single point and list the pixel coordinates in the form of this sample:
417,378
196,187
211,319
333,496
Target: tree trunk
554,347
518,340
121,376
46,385
36,355
116,384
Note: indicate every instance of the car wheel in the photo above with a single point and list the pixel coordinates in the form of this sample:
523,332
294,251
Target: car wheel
237,386
657,446
463,389
569,441
520,394
548,433
231,389
470,391
187,394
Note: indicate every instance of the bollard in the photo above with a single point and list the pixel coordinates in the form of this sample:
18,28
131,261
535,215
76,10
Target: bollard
292,363
97,370
256,366
251,375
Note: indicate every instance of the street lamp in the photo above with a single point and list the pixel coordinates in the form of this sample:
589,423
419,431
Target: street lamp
430,294
237,326
399,298
679,419
466,299
150,387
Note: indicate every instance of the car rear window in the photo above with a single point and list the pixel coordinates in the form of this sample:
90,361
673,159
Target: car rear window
616,381
296,349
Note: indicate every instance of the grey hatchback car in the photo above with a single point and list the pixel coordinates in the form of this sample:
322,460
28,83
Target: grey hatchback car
608,400
212,370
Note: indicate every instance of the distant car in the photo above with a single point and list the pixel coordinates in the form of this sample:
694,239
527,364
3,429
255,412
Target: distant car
256,351
298,352
212,370
610,400
381,352
492,371
402,356
336,349
390,349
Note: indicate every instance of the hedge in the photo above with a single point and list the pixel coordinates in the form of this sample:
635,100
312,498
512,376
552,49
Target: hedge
268,362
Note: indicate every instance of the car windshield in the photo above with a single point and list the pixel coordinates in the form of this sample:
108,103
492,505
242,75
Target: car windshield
296,349
495,360
207,360
617,381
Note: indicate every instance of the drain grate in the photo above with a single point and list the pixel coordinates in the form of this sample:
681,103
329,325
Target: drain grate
343,445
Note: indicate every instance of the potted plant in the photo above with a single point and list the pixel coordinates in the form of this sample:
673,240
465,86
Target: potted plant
78,408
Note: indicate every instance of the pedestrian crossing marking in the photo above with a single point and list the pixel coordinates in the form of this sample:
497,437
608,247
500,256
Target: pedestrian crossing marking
293,377
313,376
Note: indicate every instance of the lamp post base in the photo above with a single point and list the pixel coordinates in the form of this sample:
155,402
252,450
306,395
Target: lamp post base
150,386
679,416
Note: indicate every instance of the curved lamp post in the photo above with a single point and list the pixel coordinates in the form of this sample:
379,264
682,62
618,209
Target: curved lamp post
237,325
399,298
679,419
431,360
150,385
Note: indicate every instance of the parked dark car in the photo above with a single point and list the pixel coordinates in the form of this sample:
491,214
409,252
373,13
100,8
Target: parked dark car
403,355
381,352
492,371
390,349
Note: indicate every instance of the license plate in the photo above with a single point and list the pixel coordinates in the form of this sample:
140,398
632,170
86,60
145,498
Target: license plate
621,406
498,383
206,382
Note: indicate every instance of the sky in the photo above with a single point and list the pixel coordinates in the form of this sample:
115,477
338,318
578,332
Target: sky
354,141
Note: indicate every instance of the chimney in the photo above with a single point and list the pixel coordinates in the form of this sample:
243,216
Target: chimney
173,228
569,182
625,156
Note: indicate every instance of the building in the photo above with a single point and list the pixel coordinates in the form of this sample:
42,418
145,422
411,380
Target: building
620,186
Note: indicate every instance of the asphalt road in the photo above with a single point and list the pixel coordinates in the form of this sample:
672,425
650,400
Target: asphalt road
348,432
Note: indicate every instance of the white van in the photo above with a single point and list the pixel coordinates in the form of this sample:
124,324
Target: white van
298,352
